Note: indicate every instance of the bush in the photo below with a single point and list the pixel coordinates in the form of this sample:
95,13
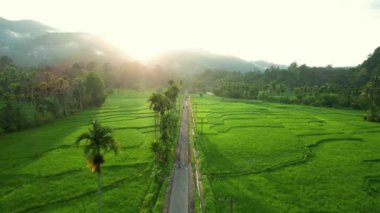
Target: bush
309,100
11,117
263,95
359,102
17,116
328,99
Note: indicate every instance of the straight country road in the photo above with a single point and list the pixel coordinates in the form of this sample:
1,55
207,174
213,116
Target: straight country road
180,191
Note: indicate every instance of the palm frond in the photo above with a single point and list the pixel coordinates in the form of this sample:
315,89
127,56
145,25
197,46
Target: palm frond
84,136
88,150
99,139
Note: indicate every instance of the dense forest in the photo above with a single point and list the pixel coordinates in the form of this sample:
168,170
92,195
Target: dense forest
356,87
33,96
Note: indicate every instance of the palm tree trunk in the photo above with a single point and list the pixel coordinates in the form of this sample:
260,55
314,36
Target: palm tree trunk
155,125
99,192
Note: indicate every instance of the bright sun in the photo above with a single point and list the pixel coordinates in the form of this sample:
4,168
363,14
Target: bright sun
141,48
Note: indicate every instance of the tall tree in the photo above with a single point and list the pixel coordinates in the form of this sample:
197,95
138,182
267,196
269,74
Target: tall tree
172,93
98,141
95,89
79,92
159,103
372,94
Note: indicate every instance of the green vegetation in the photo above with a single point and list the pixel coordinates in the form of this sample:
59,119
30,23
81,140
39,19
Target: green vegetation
372,94
267,157
166,118
42,170
99,140
356,87
255,156
34,97
166,129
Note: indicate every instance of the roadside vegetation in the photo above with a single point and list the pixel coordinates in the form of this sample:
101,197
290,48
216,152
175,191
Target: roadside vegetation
164,105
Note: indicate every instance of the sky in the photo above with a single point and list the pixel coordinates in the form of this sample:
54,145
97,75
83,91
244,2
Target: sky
312,32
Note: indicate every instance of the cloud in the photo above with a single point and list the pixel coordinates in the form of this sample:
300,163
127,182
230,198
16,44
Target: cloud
98,52
18,35
71,45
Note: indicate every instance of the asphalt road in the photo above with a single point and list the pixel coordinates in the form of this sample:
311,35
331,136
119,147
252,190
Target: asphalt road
179,198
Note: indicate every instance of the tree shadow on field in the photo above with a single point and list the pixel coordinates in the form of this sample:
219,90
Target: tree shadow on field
27,146
215,159
46,156
232,195
32,146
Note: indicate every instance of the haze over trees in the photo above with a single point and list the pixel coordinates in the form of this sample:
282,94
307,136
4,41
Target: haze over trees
33,96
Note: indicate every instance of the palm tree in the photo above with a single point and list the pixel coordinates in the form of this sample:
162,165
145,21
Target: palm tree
159,103
172,93
99,140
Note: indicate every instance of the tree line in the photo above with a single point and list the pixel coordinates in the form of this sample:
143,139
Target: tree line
31,97
164,105
354,87
34,96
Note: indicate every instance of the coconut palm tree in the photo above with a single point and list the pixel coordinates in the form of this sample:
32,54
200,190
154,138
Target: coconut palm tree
99,140
159,103
172,93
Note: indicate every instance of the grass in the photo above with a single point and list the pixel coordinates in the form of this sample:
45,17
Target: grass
41,170
266,157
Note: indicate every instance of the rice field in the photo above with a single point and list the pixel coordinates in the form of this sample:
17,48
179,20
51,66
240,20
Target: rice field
42,171
266,157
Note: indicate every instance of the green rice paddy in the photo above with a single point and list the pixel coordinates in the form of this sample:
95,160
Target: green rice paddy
41,169
265,157
255,157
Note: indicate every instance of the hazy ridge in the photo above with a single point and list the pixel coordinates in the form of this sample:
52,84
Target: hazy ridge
30,43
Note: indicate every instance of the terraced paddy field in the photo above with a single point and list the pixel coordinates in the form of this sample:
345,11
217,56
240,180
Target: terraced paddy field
42,171
265,157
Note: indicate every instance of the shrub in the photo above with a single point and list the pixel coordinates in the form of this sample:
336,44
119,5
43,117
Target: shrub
328,99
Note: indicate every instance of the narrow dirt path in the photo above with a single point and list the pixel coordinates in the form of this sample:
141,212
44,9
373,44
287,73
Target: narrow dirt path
179,197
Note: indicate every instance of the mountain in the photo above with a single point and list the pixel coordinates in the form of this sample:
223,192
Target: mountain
193,61
30,43
11,30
